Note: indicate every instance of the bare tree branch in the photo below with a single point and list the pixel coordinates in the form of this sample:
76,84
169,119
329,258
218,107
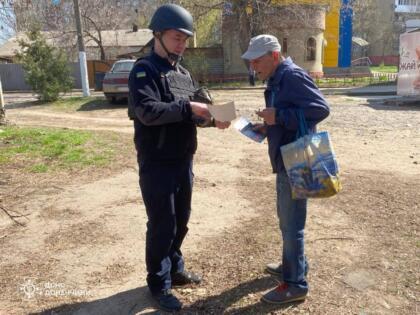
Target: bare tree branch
13,217
97,16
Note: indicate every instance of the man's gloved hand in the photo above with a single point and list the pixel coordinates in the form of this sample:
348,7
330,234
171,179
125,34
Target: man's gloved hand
202,95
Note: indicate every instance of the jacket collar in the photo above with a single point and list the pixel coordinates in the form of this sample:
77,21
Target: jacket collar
161,61
279,72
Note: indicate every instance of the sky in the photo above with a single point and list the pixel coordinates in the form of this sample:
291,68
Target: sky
5,14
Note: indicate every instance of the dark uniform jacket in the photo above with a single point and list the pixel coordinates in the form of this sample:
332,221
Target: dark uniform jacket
160,108
290,90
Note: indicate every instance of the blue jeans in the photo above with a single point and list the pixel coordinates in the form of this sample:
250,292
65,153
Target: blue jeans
292,216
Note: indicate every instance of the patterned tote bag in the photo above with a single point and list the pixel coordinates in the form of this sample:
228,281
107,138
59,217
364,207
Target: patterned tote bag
311,164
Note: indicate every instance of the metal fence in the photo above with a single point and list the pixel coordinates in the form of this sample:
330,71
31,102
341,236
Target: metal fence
13,77
337,80
389,76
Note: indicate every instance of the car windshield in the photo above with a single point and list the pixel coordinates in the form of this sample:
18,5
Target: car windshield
123,66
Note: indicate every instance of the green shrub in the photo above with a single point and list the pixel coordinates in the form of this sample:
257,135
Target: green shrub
46,68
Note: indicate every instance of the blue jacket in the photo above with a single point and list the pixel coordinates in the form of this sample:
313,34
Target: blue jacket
291,89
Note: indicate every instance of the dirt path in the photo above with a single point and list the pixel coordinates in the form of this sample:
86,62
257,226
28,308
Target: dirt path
362,245
44,117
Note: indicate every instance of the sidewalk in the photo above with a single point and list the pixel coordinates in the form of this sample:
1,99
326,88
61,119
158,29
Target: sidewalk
362,91
350,91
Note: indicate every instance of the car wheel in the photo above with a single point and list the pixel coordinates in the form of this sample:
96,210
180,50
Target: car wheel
111,99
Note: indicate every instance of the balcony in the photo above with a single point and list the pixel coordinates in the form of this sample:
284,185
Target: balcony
407,6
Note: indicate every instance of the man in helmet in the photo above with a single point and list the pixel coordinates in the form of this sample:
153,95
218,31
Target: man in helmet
165,118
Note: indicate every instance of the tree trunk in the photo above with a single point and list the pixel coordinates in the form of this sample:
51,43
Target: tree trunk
103,56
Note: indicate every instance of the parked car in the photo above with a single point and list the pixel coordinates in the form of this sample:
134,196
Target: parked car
115,83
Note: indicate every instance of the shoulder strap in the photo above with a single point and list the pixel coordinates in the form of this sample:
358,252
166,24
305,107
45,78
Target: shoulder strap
185,71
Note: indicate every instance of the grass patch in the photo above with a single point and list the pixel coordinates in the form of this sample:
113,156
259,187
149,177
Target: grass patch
72,104
39,168
386,69
41,150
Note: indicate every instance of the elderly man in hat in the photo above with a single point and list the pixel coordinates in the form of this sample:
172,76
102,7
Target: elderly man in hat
290,90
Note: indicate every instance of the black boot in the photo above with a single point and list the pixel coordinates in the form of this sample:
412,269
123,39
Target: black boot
167,301
184,278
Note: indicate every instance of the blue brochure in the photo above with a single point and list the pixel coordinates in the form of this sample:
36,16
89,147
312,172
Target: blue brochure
245,127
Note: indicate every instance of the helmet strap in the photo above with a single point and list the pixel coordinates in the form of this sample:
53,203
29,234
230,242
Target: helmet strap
171,56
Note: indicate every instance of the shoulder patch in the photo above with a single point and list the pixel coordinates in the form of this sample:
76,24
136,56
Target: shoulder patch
141,74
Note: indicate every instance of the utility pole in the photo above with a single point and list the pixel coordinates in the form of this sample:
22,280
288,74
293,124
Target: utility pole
82,53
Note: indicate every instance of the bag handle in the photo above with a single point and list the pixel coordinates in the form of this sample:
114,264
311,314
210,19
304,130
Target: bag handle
303,126
273,97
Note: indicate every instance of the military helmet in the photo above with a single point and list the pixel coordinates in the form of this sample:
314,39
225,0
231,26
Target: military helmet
172,16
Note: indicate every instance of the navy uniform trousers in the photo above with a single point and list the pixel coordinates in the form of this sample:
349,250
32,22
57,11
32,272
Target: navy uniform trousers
166,188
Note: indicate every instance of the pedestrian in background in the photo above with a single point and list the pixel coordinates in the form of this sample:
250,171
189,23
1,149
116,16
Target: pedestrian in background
251,76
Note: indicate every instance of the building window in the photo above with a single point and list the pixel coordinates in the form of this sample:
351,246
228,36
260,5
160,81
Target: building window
407,2
311,49
284,47
407,6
